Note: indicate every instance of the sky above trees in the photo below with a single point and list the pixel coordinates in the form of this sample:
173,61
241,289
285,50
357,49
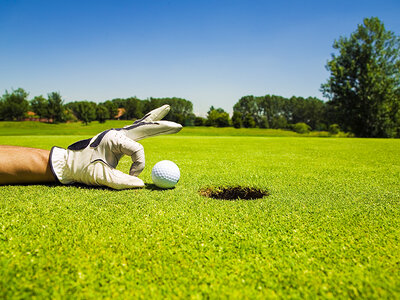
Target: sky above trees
209,52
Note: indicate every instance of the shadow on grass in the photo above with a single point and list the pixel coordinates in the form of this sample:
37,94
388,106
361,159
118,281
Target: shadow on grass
153,187
148,186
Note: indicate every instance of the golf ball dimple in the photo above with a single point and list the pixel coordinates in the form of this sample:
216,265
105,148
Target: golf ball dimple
165,174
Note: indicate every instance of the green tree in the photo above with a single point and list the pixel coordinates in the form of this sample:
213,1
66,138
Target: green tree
263,122
272,111
249,107
237,119
275,108
364,85
55,108
199,121
133,108
102,113
249,121
39,106
112,108
189,119
279,122
217,117
85,111
14,105
181,109
310,111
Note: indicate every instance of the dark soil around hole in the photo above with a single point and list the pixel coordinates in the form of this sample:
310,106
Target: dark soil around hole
233,193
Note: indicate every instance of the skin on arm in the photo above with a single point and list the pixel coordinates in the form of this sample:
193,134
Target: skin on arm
20,165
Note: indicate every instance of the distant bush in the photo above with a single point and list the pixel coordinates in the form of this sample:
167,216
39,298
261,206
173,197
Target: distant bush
334,129
69,116
301,128
319,134
199,121
217,117
321,127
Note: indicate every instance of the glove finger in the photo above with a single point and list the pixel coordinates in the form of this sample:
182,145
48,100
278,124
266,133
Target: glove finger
140,131
135,151
136,168
115,179
155,115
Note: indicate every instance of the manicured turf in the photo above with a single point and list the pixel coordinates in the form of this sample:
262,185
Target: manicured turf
37,128
330,227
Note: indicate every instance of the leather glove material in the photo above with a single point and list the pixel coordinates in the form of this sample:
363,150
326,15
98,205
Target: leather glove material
93,161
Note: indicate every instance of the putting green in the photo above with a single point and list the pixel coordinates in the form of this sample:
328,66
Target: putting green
329,228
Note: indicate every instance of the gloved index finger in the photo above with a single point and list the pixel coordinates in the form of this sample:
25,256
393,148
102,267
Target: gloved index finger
143,130
154,115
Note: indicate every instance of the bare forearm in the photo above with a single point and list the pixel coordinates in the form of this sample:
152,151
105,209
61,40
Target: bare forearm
24,165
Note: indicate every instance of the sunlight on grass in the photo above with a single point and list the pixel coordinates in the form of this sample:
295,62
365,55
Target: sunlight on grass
77,128
329,228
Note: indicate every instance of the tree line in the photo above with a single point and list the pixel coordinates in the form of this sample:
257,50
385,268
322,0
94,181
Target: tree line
273,111
14,106
363,92
269,111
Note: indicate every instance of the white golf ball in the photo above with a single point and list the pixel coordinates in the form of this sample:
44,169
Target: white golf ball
165,174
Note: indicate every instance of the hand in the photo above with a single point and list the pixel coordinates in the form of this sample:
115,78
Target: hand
93,161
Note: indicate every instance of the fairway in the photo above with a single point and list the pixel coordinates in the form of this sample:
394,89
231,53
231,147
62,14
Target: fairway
329,228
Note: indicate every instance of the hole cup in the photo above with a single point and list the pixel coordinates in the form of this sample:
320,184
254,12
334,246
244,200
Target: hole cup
233,193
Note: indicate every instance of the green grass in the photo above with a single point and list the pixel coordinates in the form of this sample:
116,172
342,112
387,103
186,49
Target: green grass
330,227
77,128
39,128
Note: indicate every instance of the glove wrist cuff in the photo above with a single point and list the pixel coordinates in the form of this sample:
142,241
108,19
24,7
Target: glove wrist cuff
58,161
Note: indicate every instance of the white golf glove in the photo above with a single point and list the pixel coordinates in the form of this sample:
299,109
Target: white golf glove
93,161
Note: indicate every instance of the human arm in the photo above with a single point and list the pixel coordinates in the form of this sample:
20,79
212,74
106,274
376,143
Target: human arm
22,165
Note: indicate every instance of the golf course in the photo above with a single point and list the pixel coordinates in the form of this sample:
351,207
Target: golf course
327,227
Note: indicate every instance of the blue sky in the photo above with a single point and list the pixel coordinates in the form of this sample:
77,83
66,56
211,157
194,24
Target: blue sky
209,52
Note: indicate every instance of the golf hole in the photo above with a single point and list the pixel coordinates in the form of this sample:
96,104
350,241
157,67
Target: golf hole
233,193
